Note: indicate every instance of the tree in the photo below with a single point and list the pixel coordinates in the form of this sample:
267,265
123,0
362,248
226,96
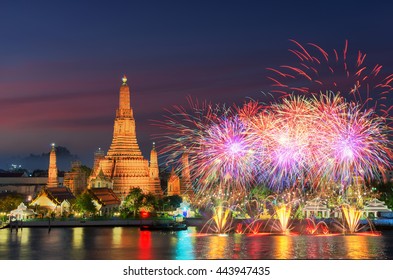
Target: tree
389,200
87,170
133,202
10,201
149,202
386,192
84,203
174,201
260,192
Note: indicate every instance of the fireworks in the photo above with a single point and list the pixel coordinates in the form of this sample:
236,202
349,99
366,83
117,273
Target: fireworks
318,71
302,140
225,155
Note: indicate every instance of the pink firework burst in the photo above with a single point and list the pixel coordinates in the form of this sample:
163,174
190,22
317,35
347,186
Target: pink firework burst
356,143
225,155
290,140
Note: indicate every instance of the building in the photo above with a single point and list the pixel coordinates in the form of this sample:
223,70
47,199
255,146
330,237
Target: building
76,179
52,170
185,181
124,163
154,172
374,206
27,186
98,156
173,184
316,208
55,200
105,201
100,181
21,213
31,186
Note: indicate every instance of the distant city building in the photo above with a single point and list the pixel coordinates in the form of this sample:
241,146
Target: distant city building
28,186
76,179
124,163
19,182
14,174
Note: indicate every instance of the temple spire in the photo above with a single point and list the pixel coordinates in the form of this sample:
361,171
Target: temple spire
124,142
124,101
186,185
124,165
124,79
52,170
154,171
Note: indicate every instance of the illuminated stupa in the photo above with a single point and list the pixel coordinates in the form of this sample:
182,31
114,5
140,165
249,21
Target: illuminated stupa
52,170
124,163
185,182
173,184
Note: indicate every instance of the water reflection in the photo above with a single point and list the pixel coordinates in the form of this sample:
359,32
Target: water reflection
117,236
145,245
284,247
357,246
364,247
238,247
217,246
77,238
184,245
130,243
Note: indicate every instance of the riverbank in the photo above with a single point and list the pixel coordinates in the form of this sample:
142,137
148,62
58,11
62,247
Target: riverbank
97,223
378,223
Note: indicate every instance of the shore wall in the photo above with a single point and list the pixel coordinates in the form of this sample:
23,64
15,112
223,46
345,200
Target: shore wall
86,223
198,222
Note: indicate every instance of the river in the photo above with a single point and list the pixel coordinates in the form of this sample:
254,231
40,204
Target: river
128,243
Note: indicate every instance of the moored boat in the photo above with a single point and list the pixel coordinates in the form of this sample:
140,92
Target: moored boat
164,226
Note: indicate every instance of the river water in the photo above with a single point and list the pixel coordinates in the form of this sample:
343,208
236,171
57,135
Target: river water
128,243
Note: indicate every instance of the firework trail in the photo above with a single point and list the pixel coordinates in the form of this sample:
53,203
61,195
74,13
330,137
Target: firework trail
318,71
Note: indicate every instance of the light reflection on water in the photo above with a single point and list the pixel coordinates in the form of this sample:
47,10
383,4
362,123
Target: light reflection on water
130,243
282,245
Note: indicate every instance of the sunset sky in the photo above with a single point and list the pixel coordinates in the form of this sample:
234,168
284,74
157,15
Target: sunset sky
61,62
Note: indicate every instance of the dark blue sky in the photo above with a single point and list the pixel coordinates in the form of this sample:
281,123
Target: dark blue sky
61,62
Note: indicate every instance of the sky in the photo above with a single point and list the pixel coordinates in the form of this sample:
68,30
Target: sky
61,62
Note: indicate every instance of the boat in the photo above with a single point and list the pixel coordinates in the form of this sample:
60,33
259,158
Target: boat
164,226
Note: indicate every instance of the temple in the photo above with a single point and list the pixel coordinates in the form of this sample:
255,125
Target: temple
52,170
185,182
124,164
173,184
76,179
